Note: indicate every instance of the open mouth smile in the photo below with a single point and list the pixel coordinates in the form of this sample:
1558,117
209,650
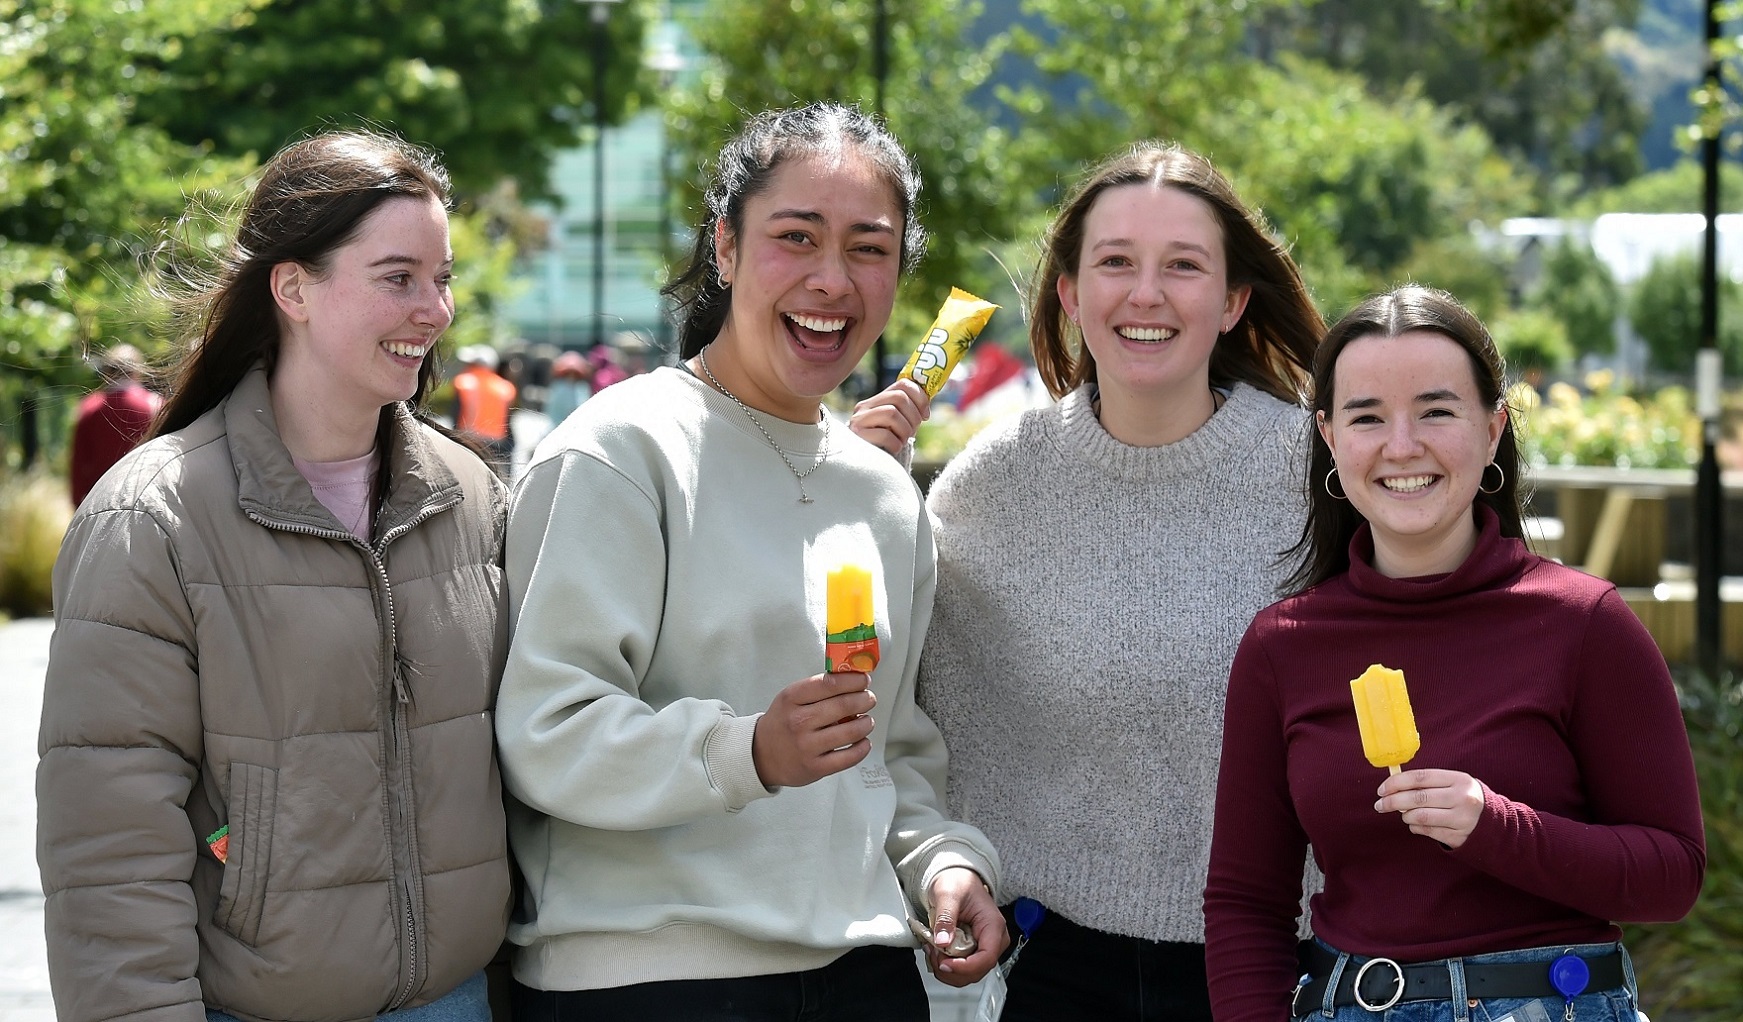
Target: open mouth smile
817,333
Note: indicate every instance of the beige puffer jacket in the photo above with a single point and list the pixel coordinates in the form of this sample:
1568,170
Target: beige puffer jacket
225,653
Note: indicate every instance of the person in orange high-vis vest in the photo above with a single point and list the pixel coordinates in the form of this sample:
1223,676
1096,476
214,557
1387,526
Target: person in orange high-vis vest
482,400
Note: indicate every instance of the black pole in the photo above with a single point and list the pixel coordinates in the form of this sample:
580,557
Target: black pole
880,72
599,56
1709,501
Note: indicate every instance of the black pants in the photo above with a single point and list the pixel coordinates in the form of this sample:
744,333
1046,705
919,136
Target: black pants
868,984
1069,972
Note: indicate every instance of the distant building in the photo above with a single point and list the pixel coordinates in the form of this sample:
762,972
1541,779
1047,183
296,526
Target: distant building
557,307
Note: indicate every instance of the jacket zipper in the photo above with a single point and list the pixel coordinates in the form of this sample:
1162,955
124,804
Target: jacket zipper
396,721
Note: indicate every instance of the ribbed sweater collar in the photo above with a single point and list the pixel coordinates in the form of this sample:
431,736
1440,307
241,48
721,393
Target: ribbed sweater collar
1495,561
1203,451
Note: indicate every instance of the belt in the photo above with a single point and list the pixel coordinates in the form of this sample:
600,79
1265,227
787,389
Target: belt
1382,982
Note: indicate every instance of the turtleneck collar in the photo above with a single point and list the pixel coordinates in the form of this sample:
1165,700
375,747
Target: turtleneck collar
1494,561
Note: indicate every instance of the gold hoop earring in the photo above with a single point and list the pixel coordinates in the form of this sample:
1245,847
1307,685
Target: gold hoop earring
1329,476
1498,483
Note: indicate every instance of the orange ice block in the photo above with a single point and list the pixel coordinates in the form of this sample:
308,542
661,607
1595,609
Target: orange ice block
1389,737
850,633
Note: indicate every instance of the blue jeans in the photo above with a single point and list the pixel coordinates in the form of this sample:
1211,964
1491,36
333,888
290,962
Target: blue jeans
1616,1005
468,1002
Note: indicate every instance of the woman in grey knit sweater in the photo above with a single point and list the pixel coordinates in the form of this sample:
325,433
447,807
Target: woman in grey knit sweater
1098,562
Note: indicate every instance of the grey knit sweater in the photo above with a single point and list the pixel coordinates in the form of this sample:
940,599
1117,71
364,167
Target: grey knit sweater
1090,598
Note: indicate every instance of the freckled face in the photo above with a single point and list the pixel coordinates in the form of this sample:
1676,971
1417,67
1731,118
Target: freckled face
381,306
1151,290
1411,436
814,272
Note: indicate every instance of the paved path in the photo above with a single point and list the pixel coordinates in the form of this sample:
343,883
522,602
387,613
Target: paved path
23,968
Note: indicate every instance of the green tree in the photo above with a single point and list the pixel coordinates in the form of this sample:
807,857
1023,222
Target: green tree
762,54
497,85
1665,310
83,184
1353,183
1536,75
1577,289
1532,341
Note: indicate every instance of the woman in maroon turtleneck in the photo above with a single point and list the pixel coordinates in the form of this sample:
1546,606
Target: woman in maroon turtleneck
1553,793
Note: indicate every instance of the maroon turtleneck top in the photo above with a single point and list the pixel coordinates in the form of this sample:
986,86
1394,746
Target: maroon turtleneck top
1535,679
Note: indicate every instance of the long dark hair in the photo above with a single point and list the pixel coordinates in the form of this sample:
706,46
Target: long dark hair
1272,344
312,198
1324,549
699,300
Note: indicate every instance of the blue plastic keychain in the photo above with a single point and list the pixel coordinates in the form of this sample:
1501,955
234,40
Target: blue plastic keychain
1569,975
1028,914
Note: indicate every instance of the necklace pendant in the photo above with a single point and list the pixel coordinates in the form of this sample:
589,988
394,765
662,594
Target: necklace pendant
806,499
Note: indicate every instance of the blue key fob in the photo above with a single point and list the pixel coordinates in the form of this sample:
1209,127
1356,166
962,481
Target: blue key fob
1028,913
1569,975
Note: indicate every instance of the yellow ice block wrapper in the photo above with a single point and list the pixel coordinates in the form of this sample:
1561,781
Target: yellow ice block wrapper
1389,737
957,325
850,639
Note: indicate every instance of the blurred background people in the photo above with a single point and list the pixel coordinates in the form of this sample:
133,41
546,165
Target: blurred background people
571,384
111,420
483,402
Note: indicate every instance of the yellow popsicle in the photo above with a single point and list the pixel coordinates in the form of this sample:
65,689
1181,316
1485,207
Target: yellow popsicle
1383,714
850,628
849,596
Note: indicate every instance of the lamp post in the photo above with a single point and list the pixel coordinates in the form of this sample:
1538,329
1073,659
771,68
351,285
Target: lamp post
665,61
601,14
1709,501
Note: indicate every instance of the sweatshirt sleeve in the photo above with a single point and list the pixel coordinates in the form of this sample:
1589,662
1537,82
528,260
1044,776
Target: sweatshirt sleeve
922,841
1643,855
1253,893
586,567
119,743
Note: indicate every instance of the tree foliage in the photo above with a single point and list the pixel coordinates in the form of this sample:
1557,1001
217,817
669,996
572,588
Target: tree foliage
1665,310
1577,289
1355,184
497,85
1536,75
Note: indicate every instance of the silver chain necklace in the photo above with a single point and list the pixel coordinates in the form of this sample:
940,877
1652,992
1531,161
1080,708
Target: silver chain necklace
822,455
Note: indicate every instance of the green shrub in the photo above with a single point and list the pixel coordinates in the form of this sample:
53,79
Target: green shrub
1532,340
34,512
1692,970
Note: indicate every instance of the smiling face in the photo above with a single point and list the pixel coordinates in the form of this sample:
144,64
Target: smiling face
1151,292
813,273
1411,435
358,333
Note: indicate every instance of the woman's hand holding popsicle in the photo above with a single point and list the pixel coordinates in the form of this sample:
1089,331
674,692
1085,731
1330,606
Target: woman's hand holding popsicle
815,727
1441,804
891,417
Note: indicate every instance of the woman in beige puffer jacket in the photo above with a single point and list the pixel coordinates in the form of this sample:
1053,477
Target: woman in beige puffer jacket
268,787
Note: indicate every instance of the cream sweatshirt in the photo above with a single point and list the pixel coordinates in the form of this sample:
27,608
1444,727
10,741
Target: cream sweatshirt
665,584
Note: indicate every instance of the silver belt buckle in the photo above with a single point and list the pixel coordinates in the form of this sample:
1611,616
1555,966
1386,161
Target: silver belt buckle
1397,992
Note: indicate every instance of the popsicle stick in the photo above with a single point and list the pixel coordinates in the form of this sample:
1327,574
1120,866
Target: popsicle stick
1394,769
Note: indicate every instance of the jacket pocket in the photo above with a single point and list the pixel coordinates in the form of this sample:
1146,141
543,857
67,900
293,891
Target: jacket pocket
242,895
